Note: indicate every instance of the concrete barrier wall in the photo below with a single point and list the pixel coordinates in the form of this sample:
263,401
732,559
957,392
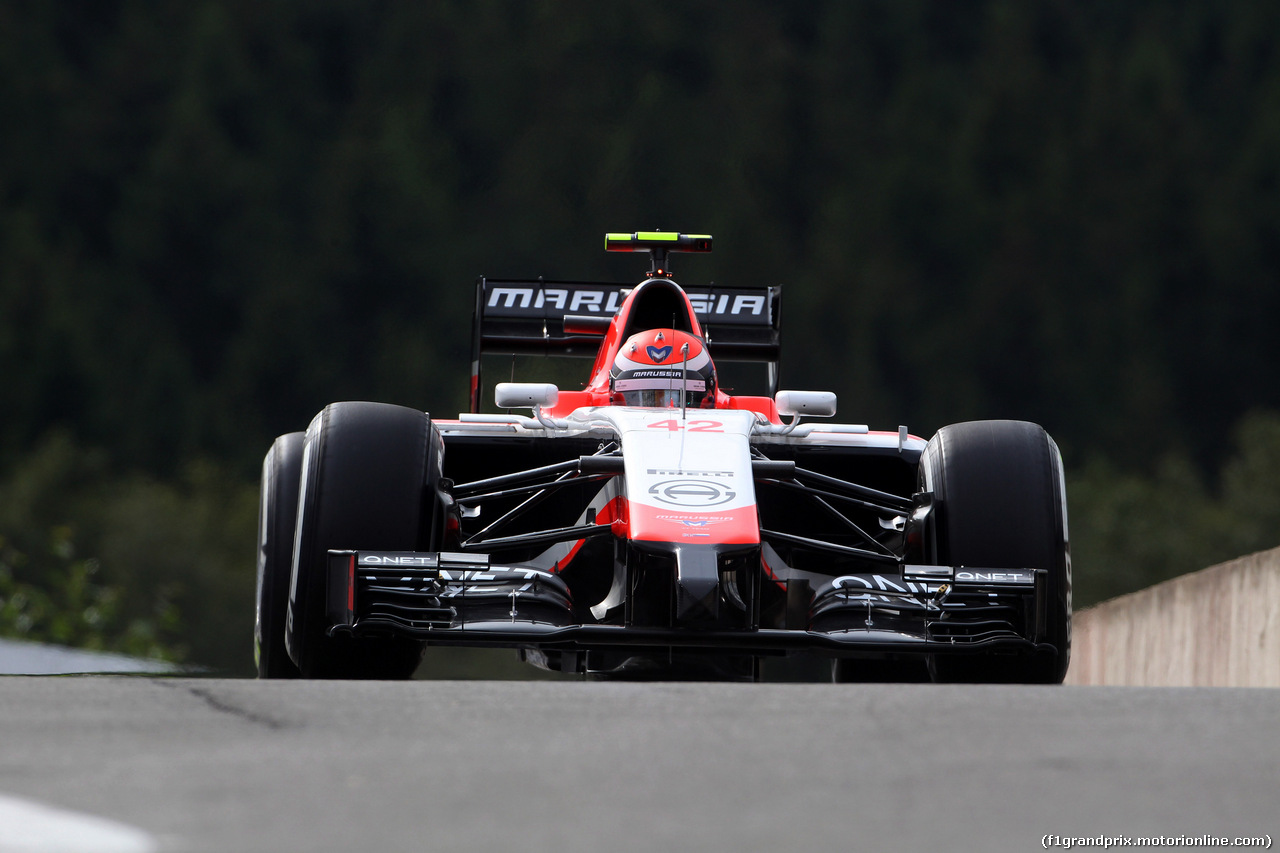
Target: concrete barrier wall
1218,627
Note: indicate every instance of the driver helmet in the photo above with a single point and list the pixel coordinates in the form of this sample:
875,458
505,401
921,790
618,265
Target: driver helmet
651,369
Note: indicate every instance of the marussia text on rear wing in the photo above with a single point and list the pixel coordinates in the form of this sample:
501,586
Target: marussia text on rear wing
567,318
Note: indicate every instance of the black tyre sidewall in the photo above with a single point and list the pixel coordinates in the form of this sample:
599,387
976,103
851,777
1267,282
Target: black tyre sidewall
999,503
370,473
277,520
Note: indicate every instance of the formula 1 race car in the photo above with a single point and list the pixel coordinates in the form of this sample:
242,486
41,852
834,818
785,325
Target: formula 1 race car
653,525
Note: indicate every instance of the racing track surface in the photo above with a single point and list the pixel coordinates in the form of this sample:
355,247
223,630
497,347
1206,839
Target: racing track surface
223,765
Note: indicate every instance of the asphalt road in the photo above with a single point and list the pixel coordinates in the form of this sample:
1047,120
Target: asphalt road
229,765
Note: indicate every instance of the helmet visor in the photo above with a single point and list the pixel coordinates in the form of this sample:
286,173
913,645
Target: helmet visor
660,393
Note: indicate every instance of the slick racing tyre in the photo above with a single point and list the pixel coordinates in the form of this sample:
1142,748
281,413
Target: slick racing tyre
370,481
277,516
1000,503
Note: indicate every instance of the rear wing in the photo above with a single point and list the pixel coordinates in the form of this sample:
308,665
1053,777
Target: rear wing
528,317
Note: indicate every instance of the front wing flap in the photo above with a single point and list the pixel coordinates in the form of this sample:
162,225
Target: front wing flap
465,599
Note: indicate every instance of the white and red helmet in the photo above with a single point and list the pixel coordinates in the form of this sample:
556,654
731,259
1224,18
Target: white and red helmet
652,368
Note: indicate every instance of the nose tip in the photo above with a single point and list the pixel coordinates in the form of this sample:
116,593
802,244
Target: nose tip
697,587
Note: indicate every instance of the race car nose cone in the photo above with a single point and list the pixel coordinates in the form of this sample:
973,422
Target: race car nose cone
697,587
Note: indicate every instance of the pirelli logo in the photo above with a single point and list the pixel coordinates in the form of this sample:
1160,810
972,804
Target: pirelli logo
553,301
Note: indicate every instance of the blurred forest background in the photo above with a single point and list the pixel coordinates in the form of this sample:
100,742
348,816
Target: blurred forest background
216,217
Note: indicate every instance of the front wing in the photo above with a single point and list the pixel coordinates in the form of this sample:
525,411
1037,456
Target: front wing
464,599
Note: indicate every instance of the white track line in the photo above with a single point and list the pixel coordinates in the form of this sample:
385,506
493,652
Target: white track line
30,827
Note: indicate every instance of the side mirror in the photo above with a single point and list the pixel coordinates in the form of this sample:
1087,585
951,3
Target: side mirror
814,404
525,395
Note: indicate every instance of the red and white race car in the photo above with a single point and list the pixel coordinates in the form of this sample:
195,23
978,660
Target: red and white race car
653,524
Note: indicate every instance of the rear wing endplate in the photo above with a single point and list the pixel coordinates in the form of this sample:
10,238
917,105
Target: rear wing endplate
527,317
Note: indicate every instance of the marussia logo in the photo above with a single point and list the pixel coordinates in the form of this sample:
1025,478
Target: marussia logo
692,521
515,299
659,354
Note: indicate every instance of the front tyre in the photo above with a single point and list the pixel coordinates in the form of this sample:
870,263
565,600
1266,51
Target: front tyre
1000,503
370,481
277,517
